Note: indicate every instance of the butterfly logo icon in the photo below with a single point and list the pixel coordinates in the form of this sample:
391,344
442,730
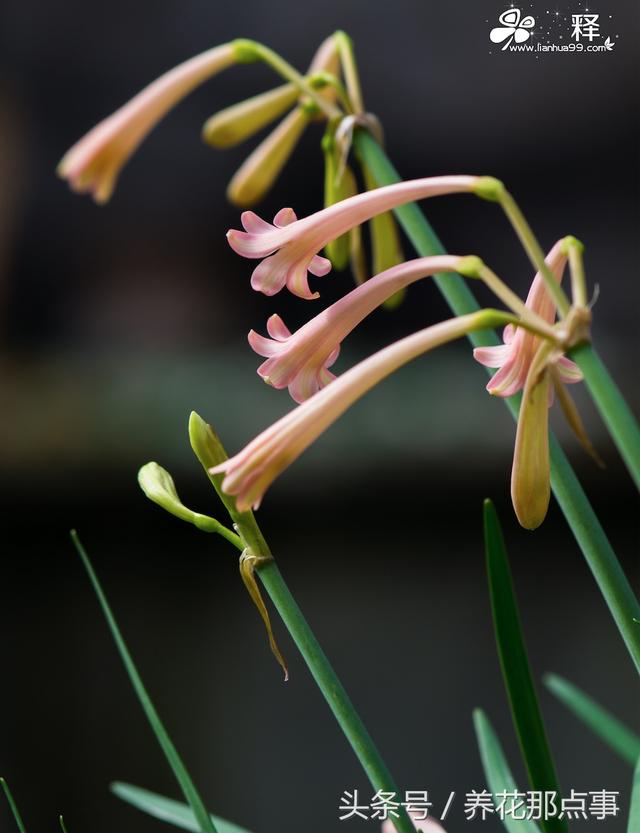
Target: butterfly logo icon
514,28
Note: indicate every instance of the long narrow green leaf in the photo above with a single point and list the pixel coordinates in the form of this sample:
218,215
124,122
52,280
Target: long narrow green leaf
205,825
168,810
13,806
608,728
634,809
586,527
496,770
516,670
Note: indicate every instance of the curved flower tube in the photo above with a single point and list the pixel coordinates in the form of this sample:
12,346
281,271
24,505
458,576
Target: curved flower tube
301,361
94,163
250,472
515,356
292,250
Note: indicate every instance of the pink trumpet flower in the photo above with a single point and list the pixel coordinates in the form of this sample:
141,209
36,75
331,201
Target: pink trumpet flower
290,246
250,472
94,163
301,361
515,356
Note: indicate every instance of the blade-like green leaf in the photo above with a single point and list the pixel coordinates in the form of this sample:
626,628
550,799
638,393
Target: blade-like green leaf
496,770
607,727
13,806
634,809
205,825
590,536
516,671
168,810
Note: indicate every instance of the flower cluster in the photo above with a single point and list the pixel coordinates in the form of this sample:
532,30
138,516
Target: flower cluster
530,360
94,163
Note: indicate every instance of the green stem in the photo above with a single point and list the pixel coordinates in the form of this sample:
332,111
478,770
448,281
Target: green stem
182,776
252,50
350,70
532,248
580,516
574,249
210,451
330,686
612,406
13,807
326,79
511,300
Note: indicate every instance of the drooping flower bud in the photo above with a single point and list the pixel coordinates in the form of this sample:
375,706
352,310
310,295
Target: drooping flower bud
240,121
158,486
261,168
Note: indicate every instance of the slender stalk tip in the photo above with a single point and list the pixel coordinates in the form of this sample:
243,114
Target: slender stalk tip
570,242
470,266
245,51
489,188
340,34
477,715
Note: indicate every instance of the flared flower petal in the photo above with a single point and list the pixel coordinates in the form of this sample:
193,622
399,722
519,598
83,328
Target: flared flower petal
514,357
300,361
94,163
299,242
250,472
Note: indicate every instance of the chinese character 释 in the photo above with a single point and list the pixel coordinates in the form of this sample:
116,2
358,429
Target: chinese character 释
585,26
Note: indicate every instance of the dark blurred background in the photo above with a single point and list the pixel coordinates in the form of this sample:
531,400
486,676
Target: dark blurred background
117,321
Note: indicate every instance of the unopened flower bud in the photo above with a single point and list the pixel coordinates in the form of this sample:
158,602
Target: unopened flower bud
158,486
236,123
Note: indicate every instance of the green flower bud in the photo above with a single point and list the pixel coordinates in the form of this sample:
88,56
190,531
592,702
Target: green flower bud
158,486
240,121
